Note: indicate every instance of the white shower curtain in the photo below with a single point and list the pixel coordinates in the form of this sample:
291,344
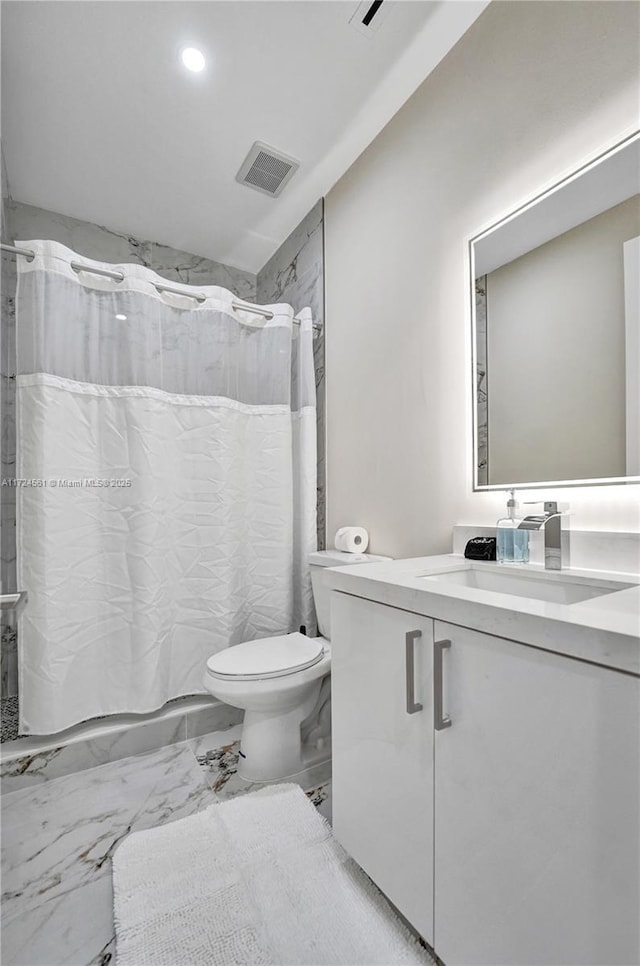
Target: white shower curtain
167,453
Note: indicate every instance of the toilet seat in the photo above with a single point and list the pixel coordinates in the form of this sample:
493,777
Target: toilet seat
270,657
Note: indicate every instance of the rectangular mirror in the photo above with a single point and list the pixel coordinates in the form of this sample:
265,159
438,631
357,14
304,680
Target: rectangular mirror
556,333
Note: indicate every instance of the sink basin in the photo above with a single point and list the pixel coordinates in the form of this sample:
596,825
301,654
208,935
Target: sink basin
556,589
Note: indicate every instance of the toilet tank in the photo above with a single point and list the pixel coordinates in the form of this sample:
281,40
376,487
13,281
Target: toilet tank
321,583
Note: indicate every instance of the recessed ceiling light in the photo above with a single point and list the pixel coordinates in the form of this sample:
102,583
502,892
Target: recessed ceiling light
193,59
122,318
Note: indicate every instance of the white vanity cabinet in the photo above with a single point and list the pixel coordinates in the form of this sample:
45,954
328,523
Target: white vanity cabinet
523,812
383,749
537,786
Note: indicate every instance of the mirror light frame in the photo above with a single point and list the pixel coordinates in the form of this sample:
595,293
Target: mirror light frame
483,487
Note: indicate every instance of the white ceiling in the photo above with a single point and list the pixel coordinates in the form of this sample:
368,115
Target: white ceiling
101,122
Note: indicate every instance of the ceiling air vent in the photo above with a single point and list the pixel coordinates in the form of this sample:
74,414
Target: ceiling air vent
267,169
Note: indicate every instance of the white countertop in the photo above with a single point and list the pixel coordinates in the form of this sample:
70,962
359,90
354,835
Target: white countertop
603,630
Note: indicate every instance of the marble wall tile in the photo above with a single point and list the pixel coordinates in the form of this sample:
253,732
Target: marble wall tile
92,241
95,241
8,646
295,274
481,381
195,270
8,433
4,233
41,762
36,768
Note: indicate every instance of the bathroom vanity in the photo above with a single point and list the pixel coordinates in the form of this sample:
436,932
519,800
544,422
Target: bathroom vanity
486,755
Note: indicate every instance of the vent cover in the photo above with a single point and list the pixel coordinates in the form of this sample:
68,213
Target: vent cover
267,169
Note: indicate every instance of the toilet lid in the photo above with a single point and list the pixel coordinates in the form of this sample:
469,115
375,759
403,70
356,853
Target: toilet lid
269,657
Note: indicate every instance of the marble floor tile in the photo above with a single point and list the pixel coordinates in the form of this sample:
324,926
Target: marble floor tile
320,796
59,836
75,929
58,839
217,755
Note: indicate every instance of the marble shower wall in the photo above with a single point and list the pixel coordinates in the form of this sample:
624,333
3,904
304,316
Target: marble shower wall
8,653
5,200
295,274
93,241
481,380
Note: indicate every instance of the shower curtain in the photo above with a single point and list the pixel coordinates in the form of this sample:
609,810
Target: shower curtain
166,452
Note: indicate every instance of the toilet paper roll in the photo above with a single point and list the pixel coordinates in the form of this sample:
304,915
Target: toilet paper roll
352,539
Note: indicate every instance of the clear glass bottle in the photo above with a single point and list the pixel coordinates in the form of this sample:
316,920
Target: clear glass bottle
512,544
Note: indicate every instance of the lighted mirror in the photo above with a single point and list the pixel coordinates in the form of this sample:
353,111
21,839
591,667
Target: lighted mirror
556,332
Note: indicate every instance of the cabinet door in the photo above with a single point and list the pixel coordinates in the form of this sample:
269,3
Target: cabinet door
537,788
383,749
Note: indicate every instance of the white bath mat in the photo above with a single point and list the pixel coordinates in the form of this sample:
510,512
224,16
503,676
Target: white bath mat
256,880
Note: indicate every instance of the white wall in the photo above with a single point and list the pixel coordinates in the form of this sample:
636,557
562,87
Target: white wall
530,92
556,355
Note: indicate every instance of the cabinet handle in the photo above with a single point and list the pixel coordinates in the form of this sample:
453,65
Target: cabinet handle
440,720
410,638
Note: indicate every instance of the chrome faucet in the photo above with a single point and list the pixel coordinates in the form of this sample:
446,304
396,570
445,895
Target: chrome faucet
550,523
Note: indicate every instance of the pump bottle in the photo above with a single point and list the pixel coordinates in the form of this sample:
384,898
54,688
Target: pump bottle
512,543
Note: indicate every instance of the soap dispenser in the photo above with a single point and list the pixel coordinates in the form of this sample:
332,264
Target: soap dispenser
512,543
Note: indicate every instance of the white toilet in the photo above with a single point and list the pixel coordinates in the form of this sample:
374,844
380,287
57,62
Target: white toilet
277,680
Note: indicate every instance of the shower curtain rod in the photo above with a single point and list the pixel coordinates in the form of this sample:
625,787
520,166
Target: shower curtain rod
119,277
